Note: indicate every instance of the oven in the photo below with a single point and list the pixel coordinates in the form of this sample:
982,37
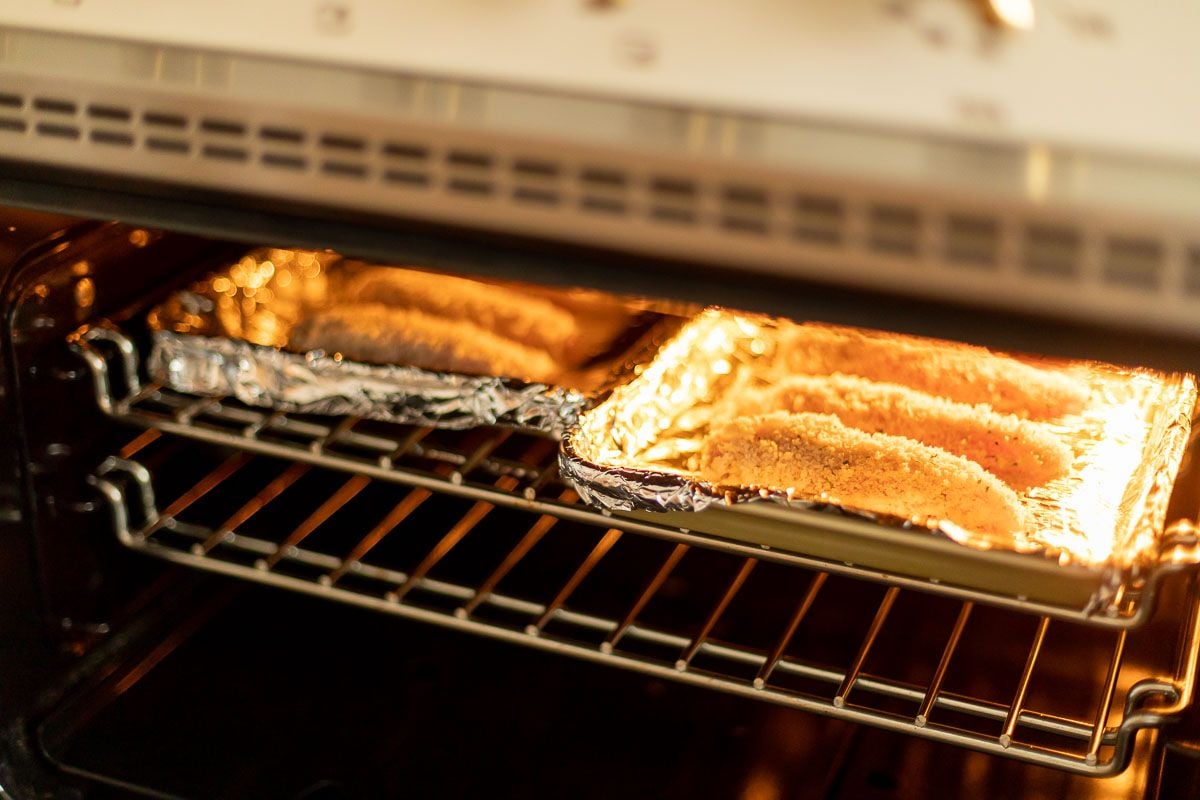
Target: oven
206,597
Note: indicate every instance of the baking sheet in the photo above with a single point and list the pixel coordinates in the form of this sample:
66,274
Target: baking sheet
232,334
1101,524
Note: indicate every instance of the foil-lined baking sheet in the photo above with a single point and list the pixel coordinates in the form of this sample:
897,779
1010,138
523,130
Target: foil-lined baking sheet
638,450
271,329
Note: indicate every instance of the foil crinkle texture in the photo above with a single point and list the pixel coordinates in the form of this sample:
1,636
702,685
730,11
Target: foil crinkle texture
636,451
230,335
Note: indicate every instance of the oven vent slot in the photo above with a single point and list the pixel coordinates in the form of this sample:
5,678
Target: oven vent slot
972,241
57,130
1192,270
745,209
883,241
536,181
283,161
406,164
604,190
342,156
165,120
224,153
818,219
1135,263
469,172
110,113
274,134
161,144
223,127
1052,251
895,230
114,138
673,200
54,105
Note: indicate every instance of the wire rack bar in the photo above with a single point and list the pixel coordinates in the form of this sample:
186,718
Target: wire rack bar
881,615
1085,745
409,456
734,587
802,610
935,684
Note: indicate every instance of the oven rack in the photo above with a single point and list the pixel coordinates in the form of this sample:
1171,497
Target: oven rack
404,455
866,690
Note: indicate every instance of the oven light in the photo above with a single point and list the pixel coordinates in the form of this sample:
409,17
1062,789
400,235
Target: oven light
1017,14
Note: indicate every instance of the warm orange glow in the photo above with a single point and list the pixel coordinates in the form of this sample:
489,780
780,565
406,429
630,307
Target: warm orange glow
1109,508
1018,14
260,298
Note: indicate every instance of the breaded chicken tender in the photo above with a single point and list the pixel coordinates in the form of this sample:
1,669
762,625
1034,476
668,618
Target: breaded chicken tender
381,334
966,374
1021,452
818,457
512,314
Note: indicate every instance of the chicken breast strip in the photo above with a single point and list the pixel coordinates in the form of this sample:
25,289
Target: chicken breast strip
381,334
819,458
1020,452
522,317
966,374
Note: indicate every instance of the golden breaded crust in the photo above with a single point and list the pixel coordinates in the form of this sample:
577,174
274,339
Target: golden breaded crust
1021,452
966,374
381,334
820,458
519,316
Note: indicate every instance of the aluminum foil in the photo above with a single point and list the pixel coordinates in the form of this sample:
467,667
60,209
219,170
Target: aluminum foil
230,335
637,450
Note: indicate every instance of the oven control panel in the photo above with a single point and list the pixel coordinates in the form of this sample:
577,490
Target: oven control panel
1106,74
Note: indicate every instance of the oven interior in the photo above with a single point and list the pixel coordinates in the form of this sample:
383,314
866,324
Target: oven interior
279,641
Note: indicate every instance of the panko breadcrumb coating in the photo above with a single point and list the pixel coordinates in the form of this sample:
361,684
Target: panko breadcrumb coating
820,458
512,314
1021,452
381,334
958,372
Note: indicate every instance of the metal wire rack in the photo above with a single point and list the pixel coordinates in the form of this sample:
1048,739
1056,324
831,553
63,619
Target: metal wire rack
1057,694
414,457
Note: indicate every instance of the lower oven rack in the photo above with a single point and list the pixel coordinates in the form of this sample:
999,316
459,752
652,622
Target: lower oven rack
1099,742
386,452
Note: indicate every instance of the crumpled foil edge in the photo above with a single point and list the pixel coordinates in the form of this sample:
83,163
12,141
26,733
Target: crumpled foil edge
629,489
316,383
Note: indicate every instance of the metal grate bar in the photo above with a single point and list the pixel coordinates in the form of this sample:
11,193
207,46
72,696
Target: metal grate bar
1010,723
206,484
455,535
401,455
406,444
520,550
735,586
257,503
347,492
802,610
145,438
400,512
1106,699
729,660
194,408
647,594
548,474
885,608
336,434
476,457
935,685
598,552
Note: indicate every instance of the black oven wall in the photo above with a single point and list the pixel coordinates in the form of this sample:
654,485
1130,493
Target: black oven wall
58,571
